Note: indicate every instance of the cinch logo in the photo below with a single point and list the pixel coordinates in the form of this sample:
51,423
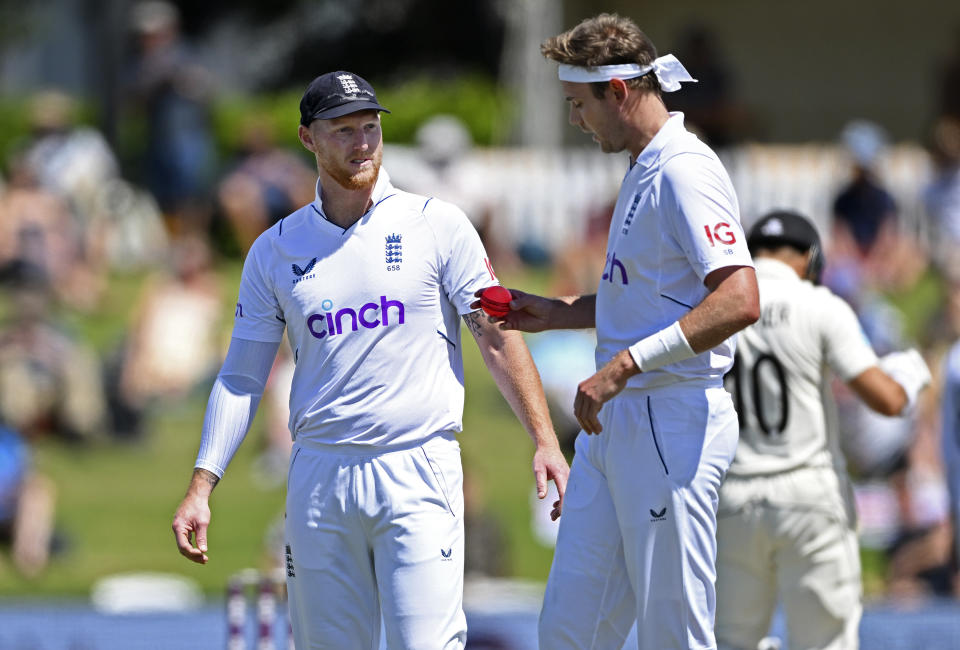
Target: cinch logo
612,264
722,232
369,316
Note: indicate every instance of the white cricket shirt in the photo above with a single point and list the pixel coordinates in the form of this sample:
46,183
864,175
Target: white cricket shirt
676,220
371,314
780,379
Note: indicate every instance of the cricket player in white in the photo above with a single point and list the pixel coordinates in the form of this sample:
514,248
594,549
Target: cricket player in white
369,283
637,537
787,524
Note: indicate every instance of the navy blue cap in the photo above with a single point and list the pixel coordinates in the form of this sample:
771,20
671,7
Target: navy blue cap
335,94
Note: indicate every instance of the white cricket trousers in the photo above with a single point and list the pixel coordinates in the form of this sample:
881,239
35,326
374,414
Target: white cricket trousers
637,539
373,535
789,537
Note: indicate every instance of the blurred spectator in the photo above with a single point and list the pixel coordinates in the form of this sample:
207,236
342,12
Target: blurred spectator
867,245
27,502
38,227
579,264
919,560
864,210
899,478
175,92
172,344
50,383
70,160
942,196
265,185
443,167
710,106
114,225
876,446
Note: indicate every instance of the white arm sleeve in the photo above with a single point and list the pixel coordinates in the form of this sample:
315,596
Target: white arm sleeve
233,402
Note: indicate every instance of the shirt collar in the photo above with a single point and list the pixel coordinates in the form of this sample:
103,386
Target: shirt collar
670,129
381,190
774,269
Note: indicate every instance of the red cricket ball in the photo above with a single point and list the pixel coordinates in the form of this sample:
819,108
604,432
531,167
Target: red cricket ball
496,301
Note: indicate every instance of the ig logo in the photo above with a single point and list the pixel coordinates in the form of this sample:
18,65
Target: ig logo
722,232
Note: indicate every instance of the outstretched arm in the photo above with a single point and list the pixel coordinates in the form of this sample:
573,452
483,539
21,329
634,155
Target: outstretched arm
509,361
230,410
891,386
532,313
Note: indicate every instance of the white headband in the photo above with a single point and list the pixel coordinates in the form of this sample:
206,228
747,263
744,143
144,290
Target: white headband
668,69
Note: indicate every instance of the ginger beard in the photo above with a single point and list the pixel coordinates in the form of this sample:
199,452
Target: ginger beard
346,177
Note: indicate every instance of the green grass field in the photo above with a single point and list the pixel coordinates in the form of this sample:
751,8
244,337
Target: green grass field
116,500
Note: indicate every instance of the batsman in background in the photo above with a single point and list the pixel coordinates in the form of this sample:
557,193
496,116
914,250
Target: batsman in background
787,524
637,541
369,283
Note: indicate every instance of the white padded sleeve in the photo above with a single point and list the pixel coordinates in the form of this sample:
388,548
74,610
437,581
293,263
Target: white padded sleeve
233,402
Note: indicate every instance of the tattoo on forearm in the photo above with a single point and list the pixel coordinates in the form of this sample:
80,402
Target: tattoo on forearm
207,476
473,322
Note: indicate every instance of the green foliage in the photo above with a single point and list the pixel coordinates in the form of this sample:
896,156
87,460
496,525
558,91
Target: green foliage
279,112
478,101
14,125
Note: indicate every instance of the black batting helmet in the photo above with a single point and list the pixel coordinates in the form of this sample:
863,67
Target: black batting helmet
786,228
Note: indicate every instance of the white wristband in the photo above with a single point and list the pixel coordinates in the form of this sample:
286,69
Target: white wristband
667,346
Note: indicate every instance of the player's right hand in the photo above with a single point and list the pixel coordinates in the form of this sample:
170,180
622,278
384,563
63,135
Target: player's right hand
190,524
528,312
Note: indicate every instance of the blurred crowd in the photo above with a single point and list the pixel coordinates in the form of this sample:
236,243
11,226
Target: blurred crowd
73,219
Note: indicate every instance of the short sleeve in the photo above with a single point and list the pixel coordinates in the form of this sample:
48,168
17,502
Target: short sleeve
258,316
464,265
847,349
700,206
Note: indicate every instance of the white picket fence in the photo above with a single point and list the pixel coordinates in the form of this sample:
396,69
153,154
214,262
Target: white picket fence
543,196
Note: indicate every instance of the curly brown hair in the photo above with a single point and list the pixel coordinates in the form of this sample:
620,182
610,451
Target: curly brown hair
605,39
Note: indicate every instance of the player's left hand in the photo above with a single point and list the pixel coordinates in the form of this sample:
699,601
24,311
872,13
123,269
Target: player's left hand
594,392
549,463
